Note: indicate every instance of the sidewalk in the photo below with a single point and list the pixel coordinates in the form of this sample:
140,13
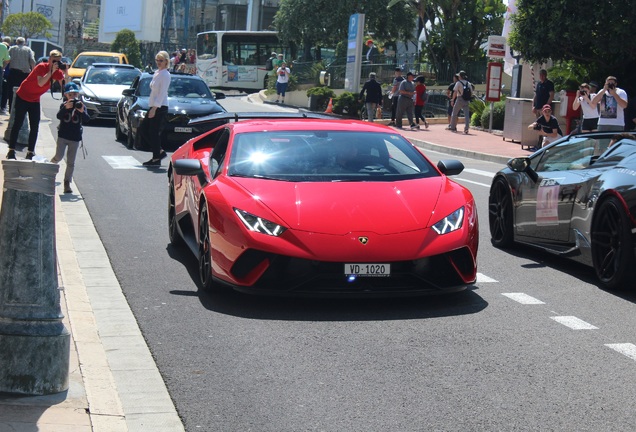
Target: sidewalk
114,384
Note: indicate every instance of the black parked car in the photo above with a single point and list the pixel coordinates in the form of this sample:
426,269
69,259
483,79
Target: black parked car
188,98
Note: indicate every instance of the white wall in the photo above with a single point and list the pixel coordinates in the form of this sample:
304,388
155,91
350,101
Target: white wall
141,16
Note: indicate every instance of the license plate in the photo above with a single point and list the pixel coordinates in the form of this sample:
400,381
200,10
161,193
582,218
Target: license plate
368,270
183,129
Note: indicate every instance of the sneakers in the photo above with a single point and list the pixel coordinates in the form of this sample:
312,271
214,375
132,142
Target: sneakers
30,155
452,129
415,127
11,154
277,101
152,162
426,125
67,187
466,132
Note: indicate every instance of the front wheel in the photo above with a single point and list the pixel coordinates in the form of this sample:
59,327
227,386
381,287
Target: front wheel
205,250
173,229
500,214
119,135
612,245
130,139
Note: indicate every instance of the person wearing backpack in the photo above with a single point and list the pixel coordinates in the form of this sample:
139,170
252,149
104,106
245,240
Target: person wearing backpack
464,91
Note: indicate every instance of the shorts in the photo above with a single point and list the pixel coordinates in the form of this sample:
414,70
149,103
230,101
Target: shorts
590,124
450,109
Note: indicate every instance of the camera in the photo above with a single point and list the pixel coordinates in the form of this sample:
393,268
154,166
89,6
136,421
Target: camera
61,65
537,126
611,86
77,103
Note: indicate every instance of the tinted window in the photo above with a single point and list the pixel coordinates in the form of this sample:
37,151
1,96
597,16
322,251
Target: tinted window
180,86
111,76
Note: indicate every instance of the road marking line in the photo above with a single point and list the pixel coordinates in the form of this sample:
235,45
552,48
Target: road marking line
574,323
470,181
483,278
123,162
479,172
523,298
626,349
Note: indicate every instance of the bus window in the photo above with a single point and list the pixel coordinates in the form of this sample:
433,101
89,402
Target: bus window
206,46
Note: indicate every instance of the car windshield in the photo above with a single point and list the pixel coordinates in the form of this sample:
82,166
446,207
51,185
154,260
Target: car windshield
327,156
180,86
85,61
115,76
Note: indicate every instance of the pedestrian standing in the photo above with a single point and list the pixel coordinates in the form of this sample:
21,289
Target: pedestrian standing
543,93
583,99
27,100
450,94
394,95
282,81
72,115
22,63
405,101
613,102
152,125
373,98
6,89
463,95
4,61
420,101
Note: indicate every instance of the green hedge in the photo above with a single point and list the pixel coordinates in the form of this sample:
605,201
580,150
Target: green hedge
499,112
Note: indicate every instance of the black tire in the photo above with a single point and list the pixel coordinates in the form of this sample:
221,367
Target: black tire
612,245
205,252
500,214
130,139
173,230
119,135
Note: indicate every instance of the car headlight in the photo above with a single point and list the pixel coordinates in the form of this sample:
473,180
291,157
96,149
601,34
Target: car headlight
450,223
258,224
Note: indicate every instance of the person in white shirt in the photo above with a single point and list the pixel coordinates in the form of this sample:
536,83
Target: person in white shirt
282,81
613,102
590,111
158,102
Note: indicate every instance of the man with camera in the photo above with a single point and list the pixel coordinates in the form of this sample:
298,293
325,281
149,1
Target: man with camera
547,126
28,99
613,103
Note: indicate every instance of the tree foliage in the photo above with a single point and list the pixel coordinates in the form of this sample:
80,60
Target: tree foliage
28,25
456,30
324,23
125,42
597,36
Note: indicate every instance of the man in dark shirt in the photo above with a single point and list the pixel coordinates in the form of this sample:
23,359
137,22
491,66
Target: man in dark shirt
374,96
543,93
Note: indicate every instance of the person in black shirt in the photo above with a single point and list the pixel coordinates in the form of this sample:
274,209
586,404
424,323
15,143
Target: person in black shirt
543,93
547,126
72,114
374,96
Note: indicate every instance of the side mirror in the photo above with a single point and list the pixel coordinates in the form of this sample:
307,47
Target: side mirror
219,95
128,92
190,167
450,167
522,164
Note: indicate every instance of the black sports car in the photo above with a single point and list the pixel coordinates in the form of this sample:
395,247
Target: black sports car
575,198
188,98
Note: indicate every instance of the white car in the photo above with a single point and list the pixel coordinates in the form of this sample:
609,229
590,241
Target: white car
101,87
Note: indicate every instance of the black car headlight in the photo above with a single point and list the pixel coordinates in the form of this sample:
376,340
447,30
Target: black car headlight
450,223
258,224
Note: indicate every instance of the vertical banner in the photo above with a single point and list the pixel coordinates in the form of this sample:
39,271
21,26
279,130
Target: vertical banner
493,82
354,52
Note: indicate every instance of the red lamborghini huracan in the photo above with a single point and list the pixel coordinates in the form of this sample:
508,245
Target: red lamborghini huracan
308,206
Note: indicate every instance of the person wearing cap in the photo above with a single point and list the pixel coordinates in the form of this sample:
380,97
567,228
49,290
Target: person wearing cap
589,110
27,100
72,115
461,104
373,98
269,64
372,52
394,95
405,102
613,102
547,126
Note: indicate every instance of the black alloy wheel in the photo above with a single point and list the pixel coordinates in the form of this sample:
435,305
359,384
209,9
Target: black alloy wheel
173,230
500,214
612,245
205,252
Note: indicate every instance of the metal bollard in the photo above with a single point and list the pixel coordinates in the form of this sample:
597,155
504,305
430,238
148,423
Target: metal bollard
34,343
23,136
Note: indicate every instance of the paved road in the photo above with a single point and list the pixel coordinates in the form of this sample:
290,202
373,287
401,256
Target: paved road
535,345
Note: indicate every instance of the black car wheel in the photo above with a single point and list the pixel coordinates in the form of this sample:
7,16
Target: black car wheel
130,139
173,230
612,246
500,214
119,135
205,252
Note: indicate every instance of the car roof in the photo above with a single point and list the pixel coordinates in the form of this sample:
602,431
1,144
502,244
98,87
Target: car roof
111,66
100,53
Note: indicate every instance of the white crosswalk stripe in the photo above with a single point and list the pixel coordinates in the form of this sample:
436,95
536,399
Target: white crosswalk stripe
123,162
574,323
523,298
482,278
627,349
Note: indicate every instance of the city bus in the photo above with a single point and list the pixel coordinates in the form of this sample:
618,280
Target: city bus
236,59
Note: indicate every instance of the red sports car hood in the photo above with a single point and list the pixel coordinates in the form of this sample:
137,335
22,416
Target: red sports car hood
341,207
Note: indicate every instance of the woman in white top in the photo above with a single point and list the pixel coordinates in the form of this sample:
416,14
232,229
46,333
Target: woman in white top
590,110
151,126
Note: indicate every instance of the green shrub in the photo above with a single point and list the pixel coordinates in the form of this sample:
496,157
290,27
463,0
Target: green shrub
323,94
347,104
499,112
476,107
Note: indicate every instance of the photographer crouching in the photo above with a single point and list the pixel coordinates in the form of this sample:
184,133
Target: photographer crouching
547,126
27,99
72,114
